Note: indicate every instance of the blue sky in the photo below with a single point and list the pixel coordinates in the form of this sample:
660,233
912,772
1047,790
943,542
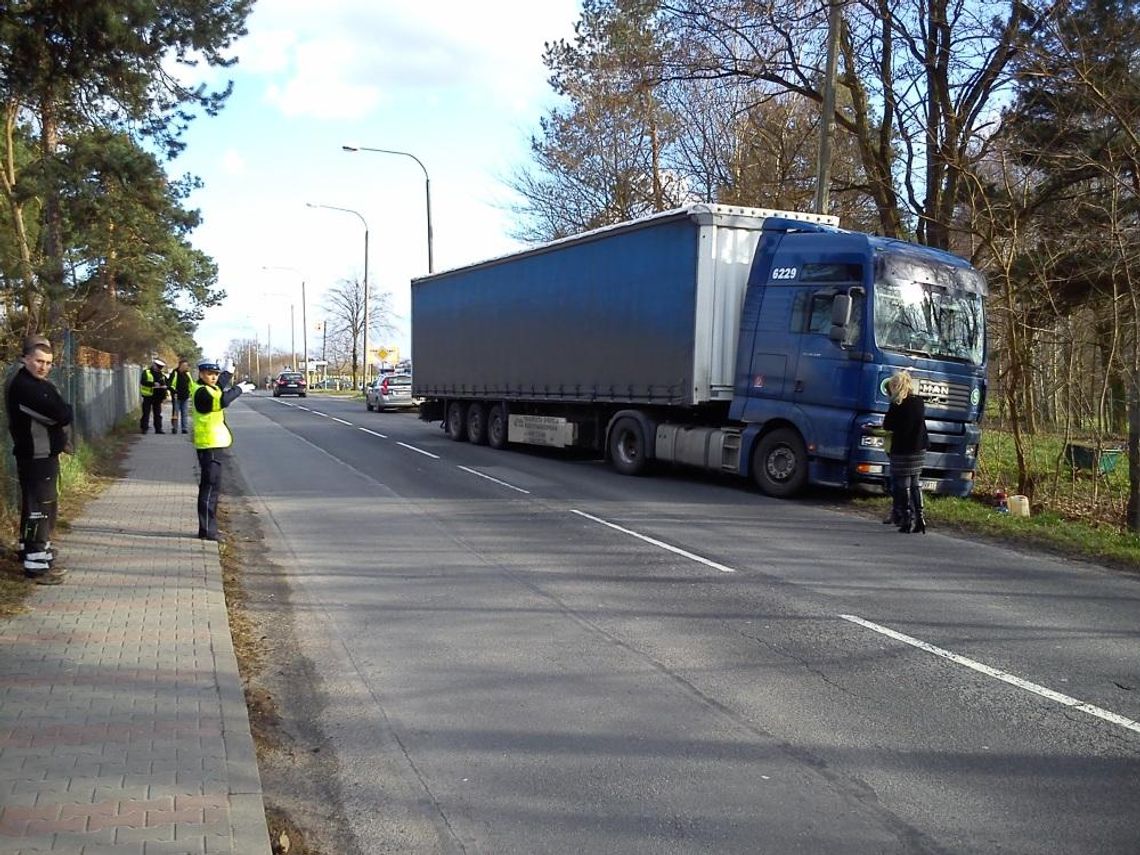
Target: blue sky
459,85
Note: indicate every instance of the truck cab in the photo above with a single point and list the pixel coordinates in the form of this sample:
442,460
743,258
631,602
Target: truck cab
828,317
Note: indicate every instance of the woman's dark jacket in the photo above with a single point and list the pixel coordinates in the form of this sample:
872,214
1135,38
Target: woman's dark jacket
907,423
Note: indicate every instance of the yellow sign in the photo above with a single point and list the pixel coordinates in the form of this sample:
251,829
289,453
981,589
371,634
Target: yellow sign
387,353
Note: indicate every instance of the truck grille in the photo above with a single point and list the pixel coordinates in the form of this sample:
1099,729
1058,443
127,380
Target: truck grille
939,393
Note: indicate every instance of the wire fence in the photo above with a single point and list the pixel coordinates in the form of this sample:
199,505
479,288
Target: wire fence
101,388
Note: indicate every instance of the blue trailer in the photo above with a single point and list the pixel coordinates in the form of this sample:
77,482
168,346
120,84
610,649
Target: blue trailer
742,340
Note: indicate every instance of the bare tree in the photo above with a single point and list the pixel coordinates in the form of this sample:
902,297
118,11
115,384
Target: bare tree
597,159
918,84
344,308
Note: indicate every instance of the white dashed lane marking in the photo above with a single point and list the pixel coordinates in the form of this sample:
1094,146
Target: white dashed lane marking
678,551
998,674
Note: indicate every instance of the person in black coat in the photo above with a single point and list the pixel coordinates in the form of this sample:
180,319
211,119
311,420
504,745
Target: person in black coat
906,420
180,384
37,419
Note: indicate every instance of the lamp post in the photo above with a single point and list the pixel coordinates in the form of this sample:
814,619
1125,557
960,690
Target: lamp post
427,188
304,323
364,223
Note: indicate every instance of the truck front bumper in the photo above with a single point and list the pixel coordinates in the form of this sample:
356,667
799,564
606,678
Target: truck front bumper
948,470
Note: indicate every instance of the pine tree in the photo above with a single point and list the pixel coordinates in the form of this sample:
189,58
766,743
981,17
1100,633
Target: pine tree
70,67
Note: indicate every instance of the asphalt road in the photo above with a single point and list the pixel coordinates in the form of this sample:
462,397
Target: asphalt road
529,653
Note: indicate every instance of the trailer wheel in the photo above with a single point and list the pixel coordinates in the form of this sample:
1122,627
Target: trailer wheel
455,425
627,447
779,465
497,426
477,424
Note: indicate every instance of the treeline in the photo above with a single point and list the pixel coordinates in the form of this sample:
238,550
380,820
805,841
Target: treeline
1007,132
94,236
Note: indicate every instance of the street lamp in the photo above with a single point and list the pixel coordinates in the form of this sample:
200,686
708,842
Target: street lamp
427,187
364,223
304,322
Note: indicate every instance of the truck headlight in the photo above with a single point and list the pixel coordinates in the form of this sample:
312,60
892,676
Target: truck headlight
971,451
872,441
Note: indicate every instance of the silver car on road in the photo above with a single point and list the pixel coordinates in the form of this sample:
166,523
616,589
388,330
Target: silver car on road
390,391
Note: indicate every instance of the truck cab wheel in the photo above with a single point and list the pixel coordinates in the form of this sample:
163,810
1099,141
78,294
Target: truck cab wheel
497,426
455,424
477,424
779,465
627,447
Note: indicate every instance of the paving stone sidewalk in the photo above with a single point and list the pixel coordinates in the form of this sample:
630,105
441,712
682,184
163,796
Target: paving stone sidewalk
123,727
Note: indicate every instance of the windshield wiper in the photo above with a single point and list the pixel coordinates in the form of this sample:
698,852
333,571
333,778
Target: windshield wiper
910,351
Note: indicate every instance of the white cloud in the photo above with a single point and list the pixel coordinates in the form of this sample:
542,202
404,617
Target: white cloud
454,82
343,60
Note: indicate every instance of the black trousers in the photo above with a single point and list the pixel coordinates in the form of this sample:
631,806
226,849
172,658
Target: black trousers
151,404
39,501
210,462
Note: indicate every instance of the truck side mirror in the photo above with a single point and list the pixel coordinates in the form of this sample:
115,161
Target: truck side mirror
840,317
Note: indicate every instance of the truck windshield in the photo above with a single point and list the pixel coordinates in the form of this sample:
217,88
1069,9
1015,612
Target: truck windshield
928,309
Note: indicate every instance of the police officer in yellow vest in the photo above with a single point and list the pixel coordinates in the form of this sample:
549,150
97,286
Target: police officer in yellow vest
152,388
212,438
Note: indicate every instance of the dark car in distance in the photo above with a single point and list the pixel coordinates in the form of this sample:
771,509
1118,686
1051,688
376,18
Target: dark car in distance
290,383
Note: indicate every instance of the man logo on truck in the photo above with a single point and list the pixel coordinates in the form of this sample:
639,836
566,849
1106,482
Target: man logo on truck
934,392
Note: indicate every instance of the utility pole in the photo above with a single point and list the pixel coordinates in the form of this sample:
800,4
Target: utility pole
827,117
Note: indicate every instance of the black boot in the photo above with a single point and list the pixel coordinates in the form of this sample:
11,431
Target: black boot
901,508
916,503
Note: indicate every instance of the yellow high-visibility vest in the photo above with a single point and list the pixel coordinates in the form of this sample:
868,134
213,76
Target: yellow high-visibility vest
210,429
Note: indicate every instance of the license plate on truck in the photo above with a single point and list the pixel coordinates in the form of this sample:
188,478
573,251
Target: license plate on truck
928,484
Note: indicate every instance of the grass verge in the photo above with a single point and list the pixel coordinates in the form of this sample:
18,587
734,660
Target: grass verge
1046,531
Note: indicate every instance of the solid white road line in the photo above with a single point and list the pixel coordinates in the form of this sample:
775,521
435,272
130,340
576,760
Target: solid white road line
495,480
722,568
342,421
997,674
366,430
419,450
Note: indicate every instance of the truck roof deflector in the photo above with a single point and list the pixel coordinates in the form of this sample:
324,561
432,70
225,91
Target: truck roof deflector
784,224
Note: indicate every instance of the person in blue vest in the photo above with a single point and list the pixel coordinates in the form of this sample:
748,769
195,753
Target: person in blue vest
152,388
212,437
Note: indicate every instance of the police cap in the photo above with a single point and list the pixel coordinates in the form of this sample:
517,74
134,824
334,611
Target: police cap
209,365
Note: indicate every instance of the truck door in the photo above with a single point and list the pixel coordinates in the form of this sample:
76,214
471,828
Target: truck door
787,354
828,371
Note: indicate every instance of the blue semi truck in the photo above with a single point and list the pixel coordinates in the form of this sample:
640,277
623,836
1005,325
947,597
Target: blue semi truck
748,341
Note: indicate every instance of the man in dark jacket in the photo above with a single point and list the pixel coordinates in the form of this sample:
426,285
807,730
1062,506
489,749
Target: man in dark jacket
181,385
152,388
37,418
